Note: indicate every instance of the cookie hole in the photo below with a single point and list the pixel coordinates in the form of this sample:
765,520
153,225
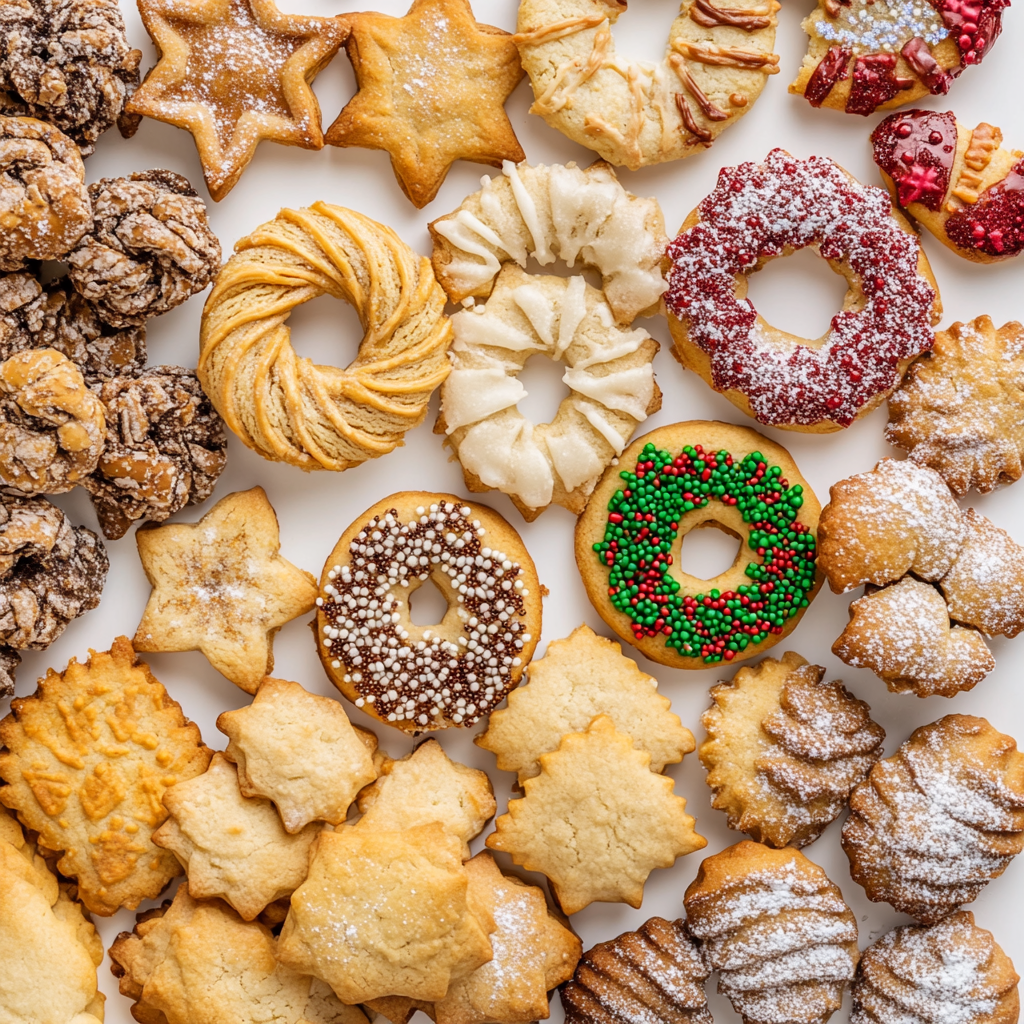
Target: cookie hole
427,605
798,294
645,38
326,330
707,552
542,378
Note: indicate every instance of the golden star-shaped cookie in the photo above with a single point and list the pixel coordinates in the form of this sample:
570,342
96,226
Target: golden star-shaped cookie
432,90
220,586
235,72
231,845
596,820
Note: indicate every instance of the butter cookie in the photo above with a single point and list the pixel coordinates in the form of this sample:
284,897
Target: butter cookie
221,586
88,758
386,914
427,786
596,820
932,825
197,962
785,749
960,409
953,971
654,973
230,845
299,750
579,677
777,930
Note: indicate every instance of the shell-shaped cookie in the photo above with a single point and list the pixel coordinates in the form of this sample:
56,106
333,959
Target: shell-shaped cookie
950,973
933,824
777,930
785,748
653,974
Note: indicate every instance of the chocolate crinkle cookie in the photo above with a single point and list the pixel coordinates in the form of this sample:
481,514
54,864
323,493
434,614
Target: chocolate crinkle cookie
149,249
68,62
55,316
165,448
50,573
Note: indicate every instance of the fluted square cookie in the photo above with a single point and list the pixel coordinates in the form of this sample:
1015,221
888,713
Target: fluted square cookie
300,751
386,913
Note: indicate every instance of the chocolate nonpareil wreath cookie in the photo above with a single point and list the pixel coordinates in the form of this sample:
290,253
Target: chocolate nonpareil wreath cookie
678,479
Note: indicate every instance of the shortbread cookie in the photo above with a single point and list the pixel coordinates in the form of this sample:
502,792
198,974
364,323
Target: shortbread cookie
197,962
960,409
427,786
596,820
903,634
300,751
88,759
580,677
778,932
468,662
432,90
231,845
654,973
386,913
609,375
897,518
50,948
221,586
785,748
933,824
637,112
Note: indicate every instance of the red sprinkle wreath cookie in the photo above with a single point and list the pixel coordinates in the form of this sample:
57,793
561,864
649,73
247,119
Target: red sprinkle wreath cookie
421,679
758,212
678,479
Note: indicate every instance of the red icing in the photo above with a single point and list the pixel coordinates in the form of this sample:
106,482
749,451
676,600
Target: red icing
994,225
974,25
832,68
758,210
874,83
917,54
916,149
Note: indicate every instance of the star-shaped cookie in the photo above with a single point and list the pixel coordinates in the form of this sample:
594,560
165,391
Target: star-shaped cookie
235,72
220,586
596,820
231,845
961,408
432,90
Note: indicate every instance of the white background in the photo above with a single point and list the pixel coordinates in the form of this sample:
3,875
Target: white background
798,294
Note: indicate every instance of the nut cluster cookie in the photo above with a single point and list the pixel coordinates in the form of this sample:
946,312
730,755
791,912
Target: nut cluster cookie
933,824
777,930
785,748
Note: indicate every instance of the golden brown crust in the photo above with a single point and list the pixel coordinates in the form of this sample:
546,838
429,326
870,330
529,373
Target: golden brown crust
714,436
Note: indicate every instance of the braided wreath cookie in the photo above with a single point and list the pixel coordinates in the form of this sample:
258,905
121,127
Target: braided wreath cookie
868,55
685,477
758,212
289,409
638,113
422,679
958,182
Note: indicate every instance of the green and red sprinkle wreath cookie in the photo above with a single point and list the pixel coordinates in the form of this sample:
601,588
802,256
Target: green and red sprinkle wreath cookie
753,491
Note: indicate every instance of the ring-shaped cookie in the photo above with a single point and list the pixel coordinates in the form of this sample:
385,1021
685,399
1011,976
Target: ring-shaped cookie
758,212
415,678
677,479
609,375
639,113
289,409
581,217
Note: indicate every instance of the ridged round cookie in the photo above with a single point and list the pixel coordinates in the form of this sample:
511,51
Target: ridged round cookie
393,548
677,619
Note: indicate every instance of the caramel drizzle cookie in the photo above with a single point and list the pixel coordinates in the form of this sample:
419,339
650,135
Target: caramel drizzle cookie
638,113
933,824
414,678
960,409
88,758
785,748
